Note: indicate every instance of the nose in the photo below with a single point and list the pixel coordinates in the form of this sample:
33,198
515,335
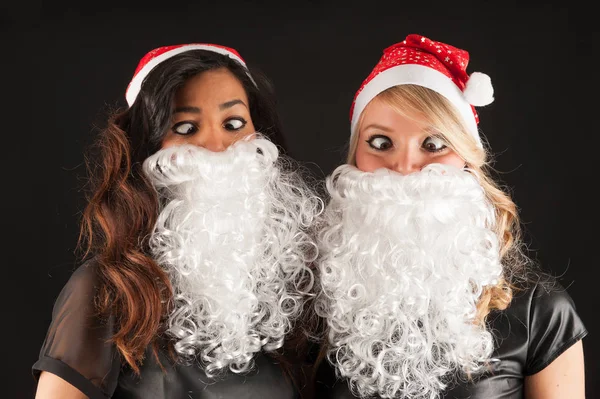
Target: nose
406,161
211,139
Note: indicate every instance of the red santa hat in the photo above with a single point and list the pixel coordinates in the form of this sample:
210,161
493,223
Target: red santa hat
435,65
160,54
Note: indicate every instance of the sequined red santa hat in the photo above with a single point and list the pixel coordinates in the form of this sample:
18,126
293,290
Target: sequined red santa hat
160,54
435,65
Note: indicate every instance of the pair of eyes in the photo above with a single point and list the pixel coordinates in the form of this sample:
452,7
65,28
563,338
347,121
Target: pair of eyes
187,127
381,142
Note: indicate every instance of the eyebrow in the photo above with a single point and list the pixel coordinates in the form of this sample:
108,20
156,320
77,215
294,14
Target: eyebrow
196,110
376,126
231,103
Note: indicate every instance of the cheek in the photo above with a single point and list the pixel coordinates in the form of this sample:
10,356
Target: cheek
169,141
368,162
249,128
230,139
452,159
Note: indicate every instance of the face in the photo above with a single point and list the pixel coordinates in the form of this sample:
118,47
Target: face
211,110
393,141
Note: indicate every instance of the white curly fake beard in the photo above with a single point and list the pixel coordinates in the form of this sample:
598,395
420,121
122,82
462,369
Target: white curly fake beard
403,261
231,235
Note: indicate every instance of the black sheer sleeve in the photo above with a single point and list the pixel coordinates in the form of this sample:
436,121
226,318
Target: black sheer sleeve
554,326
76,347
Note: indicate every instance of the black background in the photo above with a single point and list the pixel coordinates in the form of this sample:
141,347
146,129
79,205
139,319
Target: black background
64,65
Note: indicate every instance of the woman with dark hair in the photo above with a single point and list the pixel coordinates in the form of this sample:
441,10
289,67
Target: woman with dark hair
195,239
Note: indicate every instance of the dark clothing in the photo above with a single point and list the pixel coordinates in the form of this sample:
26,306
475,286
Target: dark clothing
76,349
533,331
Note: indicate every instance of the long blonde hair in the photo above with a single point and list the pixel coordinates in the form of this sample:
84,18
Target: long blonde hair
441,114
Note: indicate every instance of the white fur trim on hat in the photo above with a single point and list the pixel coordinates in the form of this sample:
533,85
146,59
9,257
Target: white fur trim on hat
419,75
136,83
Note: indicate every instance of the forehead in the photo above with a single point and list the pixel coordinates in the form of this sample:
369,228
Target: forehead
219,85
382,114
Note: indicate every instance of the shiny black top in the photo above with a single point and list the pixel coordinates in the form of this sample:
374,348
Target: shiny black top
534,330
75,350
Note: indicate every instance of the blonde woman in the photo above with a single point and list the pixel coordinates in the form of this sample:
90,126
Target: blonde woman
425,291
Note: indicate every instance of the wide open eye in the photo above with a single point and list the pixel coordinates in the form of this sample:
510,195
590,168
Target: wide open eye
380,142
184,128
234,124
434,144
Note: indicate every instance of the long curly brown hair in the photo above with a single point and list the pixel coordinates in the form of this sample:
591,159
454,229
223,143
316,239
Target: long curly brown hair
123,206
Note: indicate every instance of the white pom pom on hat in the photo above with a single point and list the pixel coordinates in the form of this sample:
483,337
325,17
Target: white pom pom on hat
479,90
